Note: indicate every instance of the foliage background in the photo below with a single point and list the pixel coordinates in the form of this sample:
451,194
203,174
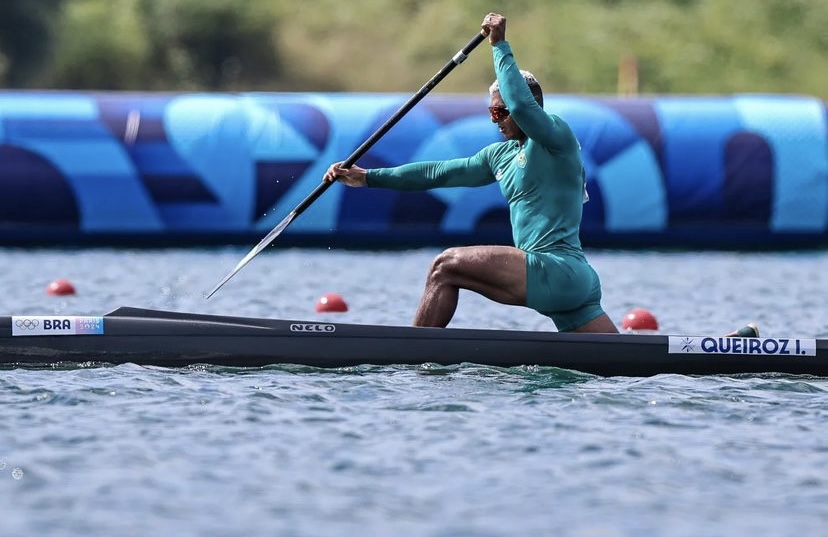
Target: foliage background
573,46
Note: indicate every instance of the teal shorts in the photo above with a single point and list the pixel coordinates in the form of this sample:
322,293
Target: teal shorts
564,287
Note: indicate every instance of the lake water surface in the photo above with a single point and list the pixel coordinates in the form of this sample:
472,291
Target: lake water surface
421,450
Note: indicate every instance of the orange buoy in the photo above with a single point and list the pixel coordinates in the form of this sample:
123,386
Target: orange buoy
331,302
60,287
639,319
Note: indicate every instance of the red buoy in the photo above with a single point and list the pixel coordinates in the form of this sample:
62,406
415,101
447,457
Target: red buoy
639,319
60,287
331,302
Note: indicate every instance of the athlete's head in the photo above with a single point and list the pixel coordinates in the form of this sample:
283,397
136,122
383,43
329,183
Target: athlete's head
500,114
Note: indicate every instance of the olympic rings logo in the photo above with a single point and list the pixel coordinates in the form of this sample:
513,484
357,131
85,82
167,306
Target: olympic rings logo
27,324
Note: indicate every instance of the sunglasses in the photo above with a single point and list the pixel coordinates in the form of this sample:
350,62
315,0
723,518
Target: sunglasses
498,113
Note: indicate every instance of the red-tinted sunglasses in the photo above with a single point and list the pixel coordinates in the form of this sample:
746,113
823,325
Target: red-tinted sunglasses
498,113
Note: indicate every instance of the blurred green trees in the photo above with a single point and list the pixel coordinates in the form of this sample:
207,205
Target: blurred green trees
26,39
573,46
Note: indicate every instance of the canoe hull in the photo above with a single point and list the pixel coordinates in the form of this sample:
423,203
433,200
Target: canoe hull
171,339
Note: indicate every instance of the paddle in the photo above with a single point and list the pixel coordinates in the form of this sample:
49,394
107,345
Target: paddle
361,150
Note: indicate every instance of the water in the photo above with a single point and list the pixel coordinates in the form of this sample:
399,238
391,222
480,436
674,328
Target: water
428,450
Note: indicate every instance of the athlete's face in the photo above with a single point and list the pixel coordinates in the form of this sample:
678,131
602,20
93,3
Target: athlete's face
500,115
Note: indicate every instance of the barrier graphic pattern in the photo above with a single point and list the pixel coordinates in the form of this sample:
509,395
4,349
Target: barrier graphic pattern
718,171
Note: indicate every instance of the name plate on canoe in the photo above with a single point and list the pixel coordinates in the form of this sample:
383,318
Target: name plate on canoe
55,325
738,345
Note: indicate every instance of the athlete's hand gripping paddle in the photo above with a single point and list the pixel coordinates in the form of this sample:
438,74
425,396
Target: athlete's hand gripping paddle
456,60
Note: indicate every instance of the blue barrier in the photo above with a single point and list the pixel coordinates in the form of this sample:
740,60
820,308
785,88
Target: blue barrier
741,171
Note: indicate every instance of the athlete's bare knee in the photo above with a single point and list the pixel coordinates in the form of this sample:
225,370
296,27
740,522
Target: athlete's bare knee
444,267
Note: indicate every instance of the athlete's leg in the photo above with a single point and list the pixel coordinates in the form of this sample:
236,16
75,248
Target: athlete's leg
496,272
582,280
601,324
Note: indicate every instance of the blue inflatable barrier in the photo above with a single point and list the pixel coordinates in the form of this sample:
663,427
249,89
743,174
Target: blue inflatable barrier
742,171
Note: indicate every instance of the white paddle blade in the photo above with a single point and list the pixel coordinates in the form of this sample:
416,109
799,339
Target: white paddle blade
270,237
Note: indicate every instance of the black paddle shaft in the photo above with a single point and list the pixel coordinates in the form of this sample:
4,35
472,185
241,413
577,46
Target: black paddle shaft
270,237
398,115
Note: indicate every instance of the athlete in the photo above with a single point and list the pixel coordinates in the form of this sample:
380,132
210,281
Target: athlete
541,174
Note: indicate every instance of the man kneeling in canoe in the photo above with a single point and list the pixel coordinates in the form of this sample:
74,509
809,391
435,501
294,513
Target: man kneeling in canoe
541,174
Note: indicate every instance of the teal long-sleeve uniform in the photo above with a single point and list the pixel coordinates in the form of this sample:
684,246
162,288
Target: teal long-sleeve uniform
542,180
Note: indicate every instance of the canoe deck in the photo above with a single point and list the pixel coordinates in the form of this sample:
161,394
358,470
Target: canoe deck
177,339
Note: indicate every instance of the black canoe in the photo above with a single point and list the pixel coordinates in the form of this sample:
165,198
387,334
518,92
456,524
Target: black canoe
172,339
